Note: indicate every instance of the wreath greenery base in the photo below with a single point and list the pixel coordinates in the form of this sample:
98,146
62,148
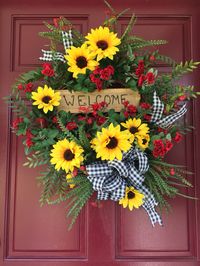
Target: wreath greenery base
118,154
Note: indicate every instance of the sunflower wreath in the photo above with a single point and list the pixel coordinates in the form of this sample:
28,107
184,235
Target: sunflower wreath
101,118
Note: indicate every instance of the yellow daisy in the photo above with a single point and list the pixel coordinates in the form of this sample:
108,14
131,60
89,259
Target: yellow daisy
111,142
66,155
46,98
102,42
143,141
136,128
132,199
79,60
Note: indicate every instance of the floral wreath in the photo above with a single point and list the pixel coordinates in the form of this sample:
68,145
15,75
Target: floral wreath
115,145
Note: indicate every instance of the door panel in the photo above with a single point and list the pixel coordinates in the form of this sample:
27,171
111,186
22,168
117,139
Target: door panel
33,235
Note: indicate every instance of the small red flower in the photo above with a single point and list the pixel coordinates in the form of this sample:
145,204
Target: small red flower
106,72
141,80
172,171
47,70
75,172
82,168
145,105
131,108
55,22
126,114
81,118
96,106
147,117
84,109
162,130
101,120
97,70
150,78
41,121
71,125
55,120
168,145
89,121
93,78
125,103
99,84
159,148
28,87
178,137
140,69
182,97
20,87
152,58
16,122
29,136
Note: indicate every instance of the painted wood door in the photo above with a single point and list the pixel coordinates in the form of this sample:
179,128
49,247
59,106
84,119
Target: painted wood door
109,236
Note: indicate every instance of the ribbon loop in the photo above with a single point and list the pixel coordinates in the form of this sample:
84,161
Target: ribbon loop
110,179
57,56
158,108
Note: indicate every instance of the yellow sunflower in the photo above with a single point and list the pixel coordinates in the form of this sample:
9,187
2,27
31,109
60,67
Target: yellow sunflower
136,128
80,59
66,155
46,98
102,42
132,199
111,142
143,141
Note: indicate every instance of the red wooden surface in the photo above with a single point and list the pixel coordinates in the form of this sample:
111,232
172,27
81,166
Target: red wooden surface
30,235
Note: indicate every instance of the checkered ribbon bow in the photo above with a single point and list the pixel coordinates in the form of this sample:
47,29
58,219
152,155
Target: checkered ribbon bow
110,179
158,108
57,56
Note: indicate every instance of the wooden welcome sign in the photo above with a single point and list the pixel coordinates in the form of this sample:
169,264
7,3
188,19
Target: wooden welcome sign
72,101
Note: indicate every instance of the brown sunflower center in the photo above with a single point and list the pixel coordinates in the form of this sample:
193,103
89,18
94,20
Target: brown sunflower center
133,130
144,141
68,155
103,45
112,143
46,99
81,61
131,195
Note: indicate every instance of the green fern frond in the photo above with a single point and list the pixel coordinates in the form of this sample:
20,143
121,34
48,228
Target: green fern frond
142,44
84,141
184,68
166,59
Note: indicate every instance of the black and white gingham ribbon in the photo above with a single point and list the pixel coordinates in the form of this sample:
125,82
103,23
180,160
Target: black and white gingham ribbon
52,56
158,108
110,179
67,39
57,56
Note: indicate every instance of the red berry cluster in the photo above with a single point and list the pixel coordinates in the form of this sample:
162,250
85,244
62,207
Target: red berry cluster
161,148
26,88
47,70
101,74
16,122
149,77
130,109
29,137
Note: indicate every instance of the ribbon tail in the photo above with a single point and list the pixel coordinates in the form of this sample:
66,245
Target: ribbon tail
149,206
169,120
153,215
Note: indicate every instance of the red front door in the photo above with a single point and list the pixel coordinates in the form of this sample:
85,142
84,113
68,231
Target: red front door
31,235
